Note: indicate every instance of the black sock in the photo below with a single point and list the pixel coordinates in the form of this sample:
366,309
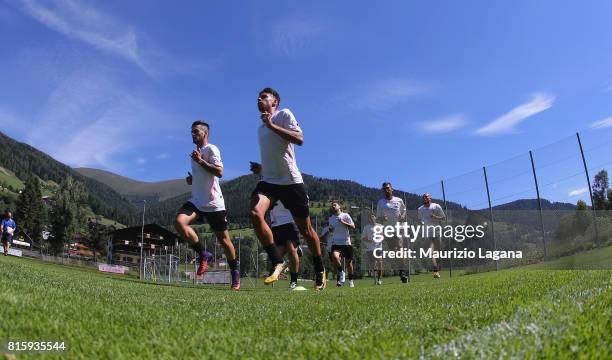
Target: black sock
273,255
198,247
294,277
350,276
340,268
233,264
318,263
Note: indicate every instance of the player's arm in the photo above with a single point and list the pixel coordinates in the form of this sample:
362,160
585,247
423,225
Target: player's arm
349,223
402,214
438,214
291,132
380,217
294,137
215,169
326,230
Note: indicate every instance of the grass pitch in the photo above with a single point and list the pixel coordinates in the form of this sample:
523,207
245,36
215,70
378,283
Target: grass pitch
513,313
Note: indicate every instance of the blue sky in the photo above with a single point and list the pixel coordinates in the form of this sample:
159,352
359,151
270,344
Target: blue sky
409,92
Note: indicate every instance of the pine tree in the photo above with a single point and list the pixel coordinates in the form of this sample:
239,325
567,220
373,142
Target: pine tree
68,217
30,212
600,187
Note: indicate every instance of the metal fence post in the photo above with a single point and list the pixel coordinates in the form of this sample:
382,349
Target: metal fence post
484,169
586,171
535,178
408,242
450,260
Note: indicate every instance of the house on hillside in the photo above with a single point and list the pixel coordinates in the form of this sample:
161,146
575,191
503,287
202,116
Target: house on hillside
124,244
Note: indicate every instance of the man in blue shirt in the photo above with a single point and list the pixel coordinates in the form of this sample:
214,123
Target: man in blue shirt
7,228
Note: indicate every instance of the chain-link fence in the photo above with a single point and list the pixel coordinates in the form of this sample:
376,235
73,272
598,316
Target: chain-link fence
548,203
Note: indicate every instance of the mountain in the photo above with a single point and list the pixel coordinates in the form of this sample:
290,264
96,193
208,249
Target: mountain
138,190
237,194
532,204
24,161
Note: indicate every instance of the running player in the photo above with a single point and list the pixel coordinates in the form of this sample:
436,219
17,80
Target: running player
7,229
281,180
389,211
431,213
286,237
367,237
341,223
206,202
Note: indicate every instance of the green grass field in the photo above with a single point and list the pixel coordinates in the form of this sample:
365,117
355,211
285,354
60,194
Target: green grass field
556,314
10,179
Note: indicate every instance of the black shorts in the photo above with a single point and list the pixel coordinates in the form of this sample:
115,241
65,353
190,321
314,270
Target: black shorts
7,238
216,219
294,197
284,233
346,251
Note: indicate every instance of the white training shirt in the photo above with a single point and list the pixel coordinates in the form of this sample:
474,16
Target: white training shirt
340,233
279,215
277,155
425,214
367,235
392,209
205,190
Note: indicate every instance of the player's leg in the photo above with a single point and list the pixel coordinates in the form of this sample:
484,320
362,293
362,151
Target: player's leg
312,239
259,205
186,215
348,258
401,262
337,262
294,263
295,199
435,246
224,239
280,241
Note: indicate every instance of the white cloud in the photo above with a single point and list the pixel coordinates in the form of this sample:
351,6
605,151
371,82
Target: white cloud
443,125
508,122
292,35
601,124
162,156
578,191
89,25
141,161
386,93
90,120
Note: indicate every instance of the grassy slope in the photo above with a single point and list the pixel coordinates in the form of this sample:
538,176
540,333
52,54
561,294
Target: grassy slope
592,259
10,179
521,313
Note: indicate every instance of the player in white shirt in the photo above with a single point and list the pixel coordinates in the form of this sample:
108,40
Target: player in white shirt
206,202
389,211
285,233
281,180
367,238
431,214
340,225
